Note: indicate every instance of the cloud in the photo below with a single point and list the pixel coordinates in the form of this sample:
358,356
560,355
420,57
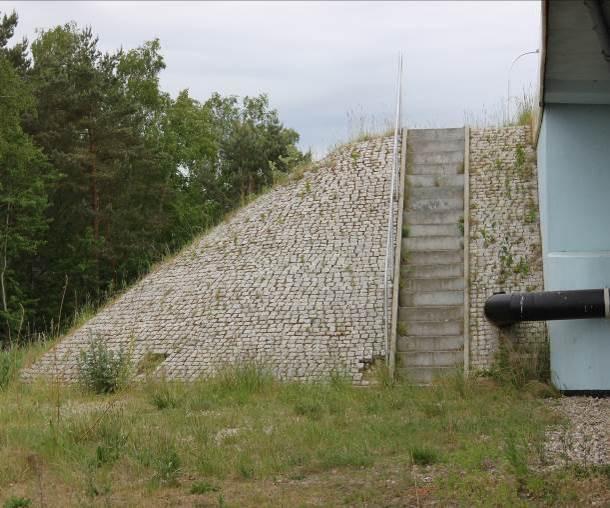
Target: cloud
319,60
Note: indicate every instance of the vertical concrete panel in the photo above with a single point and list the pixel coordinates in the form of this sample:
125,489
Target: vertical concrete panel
574,173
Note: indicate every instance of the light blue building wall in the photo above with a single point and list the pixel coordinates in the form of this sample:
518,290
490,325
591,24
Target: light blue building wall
574,186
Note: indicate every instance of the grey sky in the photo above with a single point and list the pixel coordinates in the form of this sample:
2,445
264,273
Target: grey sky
319,61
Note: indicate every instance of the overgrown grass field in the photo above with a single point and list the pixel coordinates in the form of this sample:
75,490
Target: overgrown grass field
245,439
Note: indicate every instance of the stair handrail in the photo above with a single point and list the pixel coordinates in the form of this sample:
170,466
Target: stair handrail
388,277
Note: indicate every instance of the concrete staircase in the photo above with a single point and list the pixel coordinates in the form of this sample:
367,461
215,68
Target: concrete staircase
430,339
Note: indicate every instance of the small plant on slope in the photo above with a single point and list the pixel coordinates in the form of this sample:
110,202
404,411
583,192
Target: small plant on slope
102,370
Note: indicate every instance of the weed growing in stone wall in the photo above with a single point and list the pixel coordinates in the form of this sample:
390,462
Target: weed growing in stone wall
402,329
522,267
487,237
506,260
519,364
531,215
102,370
519,157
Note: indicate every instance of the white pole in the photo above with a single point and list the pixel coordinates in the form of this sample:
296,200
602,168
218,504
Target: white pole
389,243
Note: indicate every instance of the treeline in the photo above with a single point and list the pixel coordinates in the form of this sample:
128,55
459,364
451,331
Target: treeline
102,173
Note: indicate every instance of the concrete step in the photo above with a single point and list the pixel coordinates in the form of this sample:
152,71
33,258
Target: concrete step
430,313
432,271
435,180
431,328
447,169
453,157
432,284
444,343
431,358
434,204
433,257
410,298
419,243
436,192
434,230
425,375
416,145
435,134
433,217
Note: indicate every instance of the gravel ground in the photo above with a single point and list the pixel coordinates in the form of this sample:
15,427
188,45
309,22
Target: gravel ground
585,437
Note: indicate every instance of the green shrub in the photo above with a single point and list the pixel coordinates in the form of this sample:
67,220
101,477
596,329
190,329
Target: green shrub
17,502
102,370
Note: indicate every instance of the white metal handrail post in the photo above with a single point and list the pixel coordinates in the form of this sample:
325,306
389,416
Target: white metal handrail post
389,261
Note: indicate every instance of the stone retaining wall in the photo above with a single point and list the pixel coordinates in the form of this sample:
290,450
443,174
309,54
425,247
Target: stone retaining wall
293,281
505,244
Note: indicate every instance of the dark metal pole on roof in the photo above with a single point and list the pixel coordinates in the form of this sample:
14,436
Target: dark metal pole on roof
601,24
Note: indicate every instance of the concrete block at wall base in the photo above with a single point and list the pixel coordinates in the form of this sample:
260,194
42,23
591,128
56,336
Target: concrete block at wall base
435,180
441,169
416,135
445,192
434,230
436,217
409,299
430,313
441,343
431,358
437,257
429,284
425,375
435,328
436,204
454,157
433,271
432,243
422,145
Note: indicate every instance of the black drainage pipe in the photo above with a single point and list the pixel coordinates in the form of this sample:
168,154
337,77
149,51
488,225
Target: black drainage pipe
505,309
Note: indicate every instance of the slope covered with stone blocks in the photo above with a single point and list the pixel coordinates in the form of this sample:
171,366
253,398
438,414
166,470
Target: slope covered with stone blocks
293,281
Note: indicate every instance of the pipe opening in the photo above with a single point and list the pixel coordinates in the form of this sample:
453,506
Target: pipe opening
506,309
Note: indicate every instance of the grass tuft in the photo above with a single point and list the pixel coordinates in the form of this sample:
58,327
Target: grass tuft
203,488
424,456
10,363
17,502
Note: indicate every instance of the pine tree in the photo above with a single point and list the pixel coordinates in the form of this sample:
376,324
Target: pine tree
23,196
